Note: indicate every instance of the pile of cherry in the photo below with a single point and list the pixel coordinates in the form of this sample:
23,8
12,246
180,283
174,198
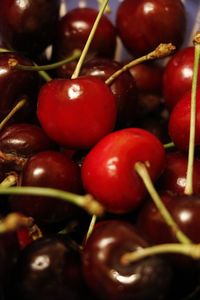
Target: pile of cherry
80,148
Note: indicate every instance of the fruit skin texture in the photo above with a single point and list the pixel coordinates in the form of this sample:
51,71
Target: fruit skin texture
76,113
108,170
108,278
74,29
177,77
143,25
28,26
179,122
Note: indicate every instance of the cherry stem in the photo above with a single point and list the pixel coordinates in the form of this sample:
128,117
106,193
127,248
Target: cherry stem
10,180
14,221
17,107
89,40
161,51
142,171
91,227
107,10
76,54
86,202
191,250
189,178
169,145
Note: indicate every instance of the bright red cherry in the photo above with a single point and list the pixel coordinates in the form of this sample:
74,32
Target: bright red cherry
177,77
77,113
179,122
108,170
143,24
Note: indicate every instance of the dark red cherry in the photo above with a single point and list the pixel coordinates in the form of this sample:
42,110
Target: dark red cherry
76,113
16,85
177,78
74,29
49,269
173,178
24,139
123,87
109,278
108,169
179,121
143,25
28,26
48,169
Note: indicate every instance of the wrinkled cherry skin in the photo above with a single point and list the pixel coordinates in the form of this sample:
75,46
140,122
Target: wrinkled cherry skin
177,77
49,269
179,121
16,85
173,178
73,31
65,175
76,113
143,25
108,170
123,87
28,26
24,139
109,278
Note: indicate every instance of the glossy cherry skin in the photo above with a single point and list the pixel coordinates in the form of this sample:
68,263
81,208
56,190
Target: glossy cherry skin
28,26
173,178
16,85
109,278
123,87
108,169
65,175
76,113
74,29
177,78
179,122
143,25
49,269
24,140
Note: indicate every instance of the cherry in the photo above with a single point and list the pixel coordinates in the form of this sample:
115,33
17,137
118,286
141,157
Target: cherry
179,121
123,87
65,176
143,25
28,26
108,169
49,268
73,31
173,178
109,278
16,85
76,113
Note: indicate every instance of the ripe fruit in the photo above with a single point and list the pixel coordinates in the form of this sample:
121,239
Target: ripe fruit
76,113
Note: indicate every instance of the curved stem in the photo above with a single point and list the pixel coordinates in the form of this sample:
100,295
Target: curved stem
17,107
189,177
161,51
191,250
89,40
76,54
142,171
14,221
86,202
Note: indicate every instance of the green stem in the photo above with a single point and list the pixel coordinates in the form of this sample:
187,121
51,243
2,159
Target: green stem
161,51
107,10
91,227
169,145
86,202
142,171
17,107
191,250
189,177
89,41
9,181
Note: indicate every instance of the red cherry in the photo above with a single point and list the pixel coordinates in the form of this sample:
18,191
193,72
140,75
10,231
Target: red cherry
179,122
143,24
77,113
177,77
108,170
